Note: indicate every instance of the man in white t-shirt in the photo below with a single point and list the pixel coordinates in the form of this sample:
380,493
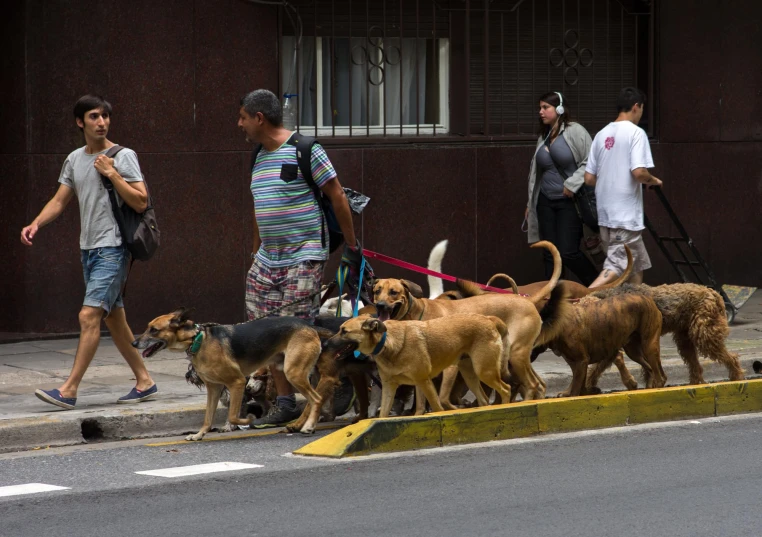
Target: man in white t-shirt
617,166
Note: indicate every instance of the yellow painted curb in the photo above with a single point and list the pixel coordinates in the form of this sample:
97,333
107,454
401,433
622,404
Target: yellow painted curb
580,413
337,443
738,397
665,404
498,422
518,420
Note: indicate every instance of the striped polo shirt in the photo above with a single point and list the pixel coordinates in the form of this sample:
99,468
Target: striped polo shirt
288,216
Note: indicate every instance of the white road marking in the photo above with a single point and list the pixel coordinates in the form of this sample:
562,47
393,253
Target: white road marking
197,469
28,488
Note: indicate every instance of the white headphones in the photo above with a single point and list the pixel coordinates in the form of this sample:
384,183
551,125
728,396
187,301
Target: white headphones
560,107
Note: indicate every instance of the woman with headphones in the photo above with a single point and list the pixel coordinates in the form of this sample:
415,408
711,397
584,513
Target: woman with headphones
556,173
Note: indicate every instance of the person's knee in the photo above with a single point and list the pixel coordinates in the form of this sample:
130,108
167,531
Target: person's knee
90,318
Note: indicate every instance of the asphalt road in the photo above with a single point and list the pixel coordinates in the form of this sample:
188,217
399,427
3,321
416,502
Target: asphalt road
690,478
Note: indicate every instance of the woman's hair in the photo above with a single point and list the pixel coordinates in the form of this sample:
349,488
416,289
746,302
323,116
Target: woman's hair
553,99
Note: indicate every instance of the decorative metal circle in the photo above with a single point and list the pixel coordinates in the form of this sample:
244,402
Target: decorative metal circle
556,57
364,54
586,57
389,55
571,38
380,75
571,57
571,76
377,59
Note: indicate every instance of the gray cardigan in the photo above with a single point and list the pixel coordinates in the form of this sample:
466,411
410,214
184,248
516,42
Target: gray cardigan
579,141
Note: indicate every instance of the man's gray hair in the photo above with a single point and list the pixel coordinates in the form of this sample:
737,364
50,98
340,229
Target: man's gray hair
267,103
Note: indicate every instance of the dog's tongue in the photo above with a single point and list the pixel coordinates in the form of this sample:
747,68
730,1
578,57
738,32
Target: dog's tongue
383,315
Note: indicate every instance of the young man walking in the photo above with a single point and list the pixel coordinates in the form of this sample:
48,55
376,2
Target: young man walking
104,260
288,253
617,166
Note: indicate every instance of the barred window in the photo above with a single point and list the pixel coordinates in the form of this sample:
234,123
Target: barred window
461,68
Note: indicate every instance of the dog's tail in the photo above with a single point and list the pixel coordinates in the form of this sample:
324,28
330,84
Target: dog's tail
554,315
625,275
500,325
501,276
435,263
557,268
468,288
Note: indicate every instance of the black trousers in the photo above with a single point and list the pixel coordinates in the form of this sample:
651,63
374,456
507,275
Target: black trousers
561,225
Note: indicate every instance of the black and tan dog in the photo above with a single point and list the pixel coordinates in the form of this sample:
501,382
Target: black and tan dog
403,300
223,355
412,352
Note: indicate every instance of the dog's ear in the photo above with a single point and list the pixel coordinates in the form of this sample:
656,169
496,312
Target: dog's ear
181,316
374,325
413,288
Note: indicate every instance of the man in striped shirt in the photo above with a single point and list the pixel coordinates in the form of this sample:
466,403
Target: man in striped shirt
288,253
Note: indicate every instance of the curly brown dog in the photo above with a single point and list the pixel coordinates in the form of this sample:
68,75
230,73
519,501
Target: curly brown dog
597,328
412,352
695,316
402,299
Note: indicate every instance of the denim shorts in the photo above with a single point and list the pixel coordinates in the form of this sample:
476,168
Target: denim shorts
105,271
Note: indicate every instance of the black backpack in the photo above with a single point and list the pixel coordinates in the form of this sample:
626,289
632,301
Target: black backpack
303,158
140,232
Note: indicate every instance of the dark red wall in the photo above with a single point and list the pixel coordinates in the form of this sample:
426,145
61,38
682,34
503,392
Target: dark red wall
175,72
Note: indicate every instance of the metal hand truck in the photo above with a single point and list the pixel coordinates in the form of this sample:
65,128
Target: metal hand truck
709,280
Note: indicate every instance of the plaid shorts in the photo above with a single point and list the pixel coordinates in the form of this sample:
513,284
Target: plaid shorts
616,258
268,288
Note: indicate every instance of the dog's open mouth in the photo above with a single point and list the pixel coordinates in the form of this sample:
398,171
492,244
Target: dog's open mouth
153,349
345,351
385,313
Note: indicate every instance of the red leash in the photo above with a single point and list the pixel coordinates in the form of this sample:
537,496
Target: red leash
423,270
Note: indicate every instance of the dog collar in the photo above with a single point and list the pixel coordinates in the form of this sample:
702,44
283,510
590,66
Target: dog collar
197,339
379,346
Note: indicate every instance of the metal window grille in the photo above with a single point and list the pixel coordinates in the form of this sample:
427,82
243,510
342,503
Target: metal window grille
461,68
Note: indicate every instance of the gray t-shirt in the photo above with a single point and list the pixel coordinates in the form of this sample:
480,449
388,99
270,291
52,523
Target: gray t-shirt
98,225
552,184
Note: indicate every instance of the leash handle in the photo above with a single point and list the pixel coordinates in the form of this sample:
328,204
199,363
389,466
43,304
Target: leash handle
356,306
416,268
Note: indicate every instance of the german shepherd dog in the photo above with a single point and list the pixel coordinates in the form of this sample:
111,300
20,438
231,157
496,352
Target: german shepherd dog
223,355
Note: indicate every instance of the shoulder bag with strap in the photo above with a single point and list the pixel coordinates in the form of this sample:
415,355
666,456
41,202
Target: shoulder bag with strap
140,231
584,198
303,158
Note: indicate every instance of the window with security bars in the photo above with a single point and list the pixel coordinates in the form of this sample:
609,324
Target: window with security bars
471,68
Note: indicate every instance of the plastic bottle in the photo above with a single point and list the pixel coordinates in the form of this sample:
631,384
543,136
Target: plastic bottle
289,111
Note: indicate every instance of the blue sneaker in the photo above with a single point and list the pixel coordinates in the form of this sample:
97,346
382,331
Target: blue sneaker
54,397
136,396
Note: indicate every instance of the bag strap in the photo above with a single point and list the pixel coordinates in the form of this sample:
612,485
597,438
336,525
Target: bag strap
112,151
560,171
304,145
254,155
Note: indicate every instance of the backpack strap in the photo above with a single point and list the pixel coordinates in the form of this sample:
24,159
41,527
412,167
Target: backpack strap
112,151
303,144
254,155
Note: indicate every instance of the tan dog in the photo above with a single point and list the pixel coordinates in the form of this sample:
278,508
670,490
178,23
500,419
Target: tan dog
597,329
223,355
403,300
412,352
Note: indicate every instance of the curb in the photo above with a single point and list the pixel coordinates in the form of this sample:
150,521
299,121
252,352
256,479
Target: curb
48,431
523,419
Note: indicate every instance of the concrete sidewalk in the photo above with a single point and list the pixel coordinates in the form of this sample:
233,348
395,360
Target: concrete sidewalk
28,423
